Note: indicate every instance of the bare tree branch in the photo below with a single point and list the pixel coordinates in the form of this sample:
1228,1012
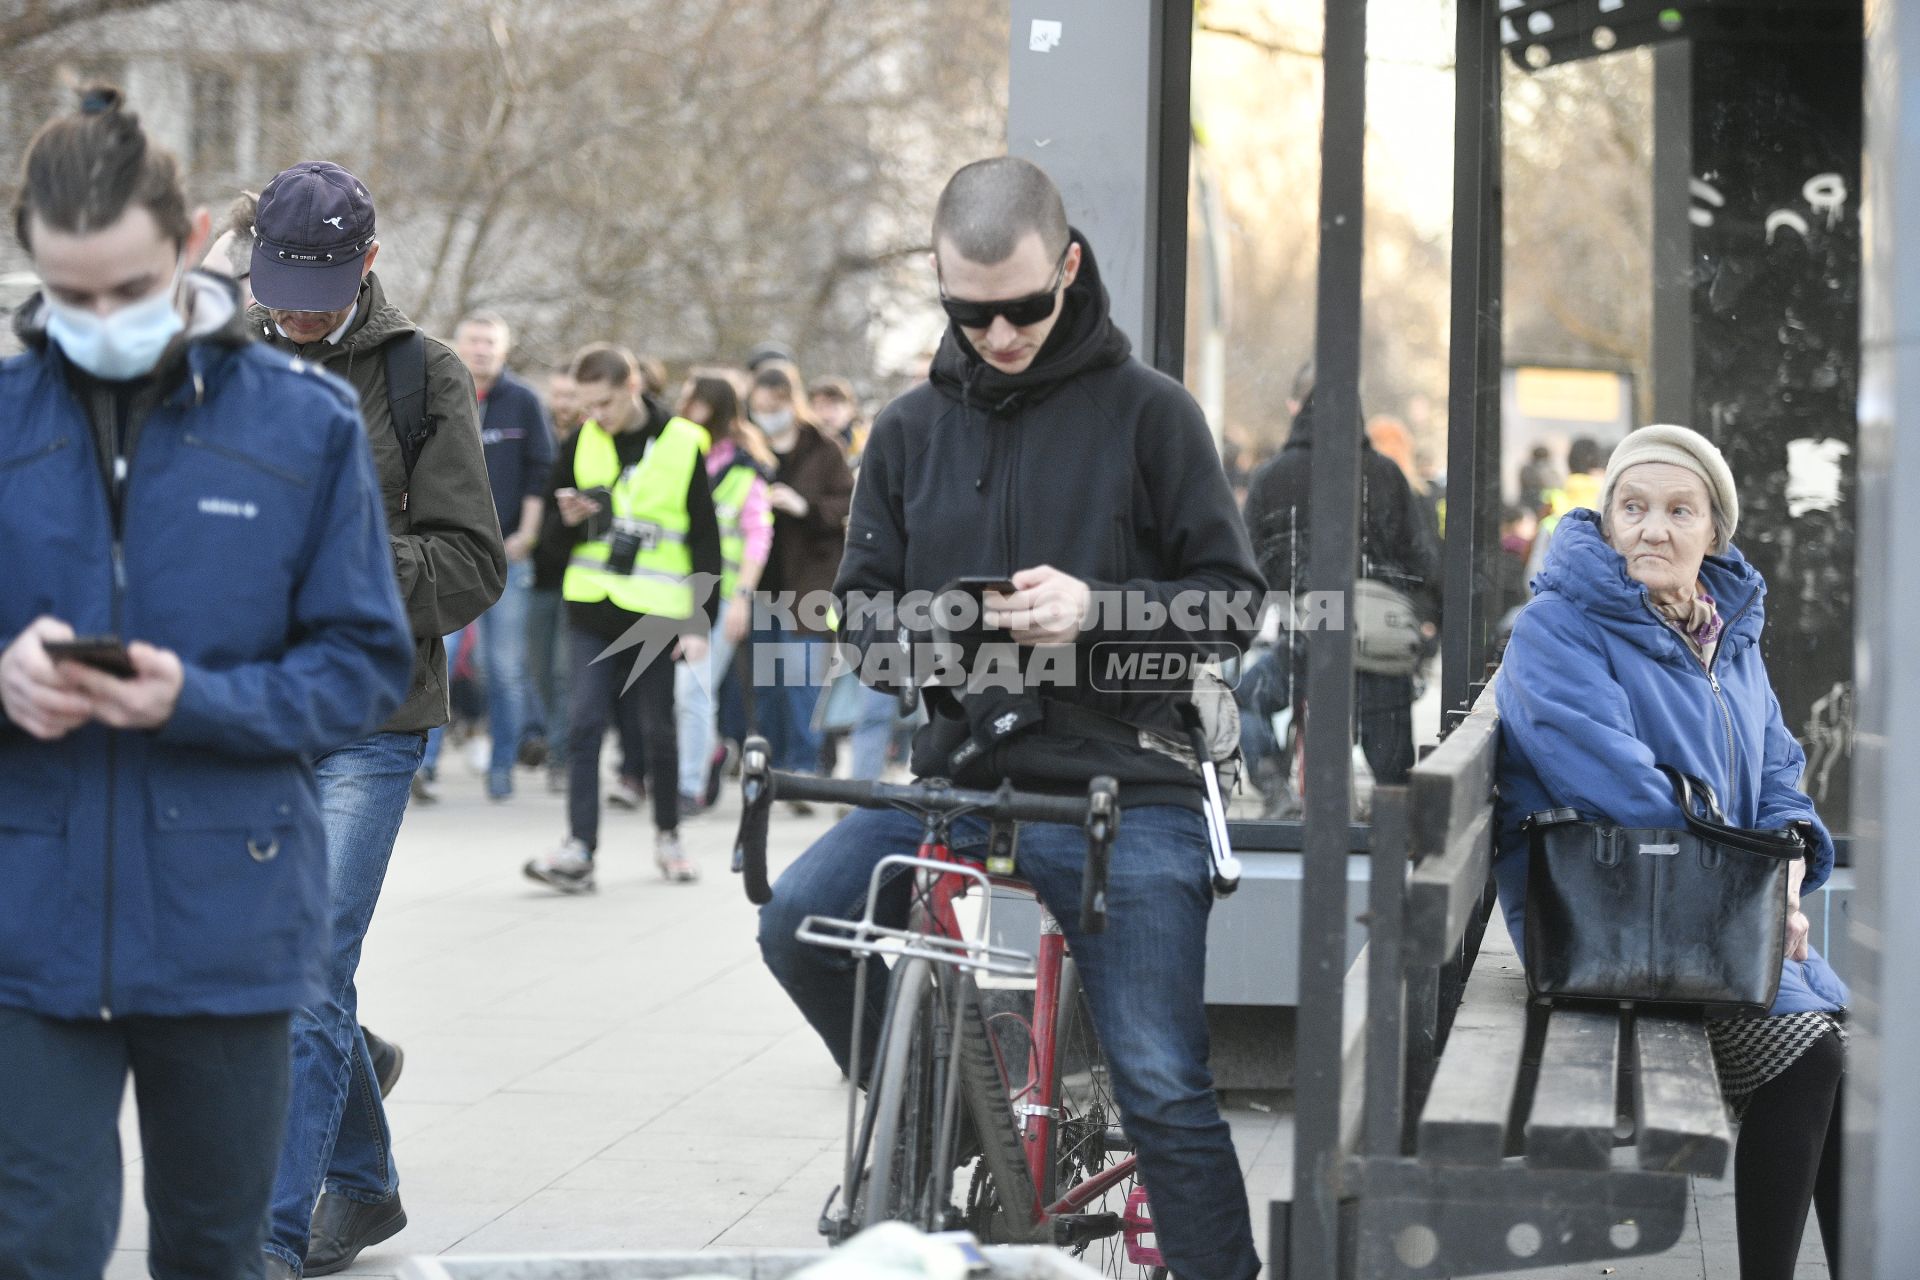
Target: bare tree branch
1283,48
39,18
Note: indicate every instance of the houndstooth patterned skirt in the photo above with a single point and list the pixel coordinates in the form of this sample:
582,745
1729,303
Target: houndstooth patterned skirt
1748,1052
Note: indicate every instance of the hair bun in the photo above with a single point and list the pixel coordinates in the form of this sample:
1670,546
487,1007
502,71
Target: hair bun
99,99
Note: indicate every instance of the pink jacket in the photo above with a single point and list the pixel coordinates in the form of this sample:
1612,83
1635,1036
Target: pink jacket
756,516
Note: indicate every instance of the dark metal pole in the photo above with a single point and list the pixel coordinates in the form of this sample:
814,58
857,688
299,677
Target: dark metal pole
1485,483
1672,354
1386,974
1173,118
1334,551
1476,61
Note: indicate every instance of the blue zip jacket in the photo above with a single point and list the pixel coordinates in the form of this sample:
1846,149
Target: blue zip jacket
1596,689
183,871
518,437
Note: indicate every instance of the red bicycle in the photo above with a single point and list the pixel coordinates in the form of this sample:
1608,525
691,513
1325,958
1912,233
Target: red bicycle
985,1111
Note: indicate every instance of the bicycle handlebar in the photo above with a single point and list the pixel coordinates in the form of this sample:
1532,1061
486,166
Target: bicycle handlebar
1098,812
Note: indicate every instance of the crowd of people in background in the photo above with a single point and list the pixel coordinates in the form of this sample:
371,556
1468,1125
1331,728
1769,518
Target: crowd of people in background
779,464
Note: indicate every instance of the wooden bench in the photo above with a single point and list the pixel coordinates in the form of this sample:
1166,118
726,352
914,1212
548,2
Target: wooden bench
1484,1132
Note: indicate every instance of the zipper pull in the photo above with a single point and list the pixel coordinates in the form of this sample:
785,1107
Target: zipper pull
119,567
1713,680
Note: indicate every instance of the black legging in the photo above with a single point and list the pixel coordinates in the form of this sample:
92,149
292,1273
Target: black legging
1788,1156
600,689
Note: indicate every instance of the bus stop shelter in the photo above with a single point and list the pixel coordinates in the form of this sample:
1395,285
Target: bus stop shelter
1761,107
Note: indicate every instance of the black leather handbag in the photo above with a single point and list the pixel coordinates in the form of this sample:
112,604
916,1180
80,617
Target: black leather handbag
1695,916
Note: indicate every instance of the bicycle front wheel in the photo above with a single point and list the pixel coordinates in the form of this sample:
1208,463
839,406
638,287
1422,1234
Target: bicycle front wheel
901,1112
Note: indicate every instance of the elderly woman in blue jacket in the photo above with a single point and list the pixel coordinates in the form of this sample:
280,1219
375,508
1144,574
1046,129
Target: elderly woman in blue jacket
1641,647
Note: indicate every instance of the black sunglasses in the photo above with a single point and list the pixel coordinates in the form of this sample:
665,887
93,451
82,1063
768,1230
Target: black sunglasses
1019,312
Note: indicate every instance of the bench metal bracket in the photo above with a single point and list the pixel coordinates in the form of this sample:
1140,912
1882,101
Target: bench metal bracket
1414,1220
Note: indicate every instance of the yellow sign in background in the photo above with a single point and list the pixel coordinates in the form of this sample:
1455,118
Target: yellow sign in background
1568,395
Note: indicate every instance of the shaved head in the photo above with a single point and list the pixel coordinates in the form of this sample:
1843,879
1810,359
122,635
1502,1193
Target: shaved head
990,206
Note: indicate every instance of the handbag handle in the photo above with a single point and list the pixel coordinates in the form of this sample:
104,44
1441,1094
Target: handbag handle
1684,787
1771,844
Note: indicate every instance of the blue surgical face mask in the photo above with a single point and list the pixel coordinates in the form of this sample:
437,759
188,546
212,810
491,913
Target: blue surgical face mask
777,423
122,344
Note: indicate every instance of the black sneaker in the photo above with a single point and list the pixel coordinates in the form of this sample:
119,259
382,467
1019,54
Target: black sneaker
388,1061
725,764
343,1227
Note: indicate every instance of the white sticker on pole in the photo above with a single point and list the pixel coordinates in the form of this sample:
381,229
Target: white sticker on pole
1045,37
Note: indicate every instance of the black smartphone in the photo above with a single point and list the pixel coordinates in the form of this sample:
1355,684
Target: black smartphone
975,587
102,653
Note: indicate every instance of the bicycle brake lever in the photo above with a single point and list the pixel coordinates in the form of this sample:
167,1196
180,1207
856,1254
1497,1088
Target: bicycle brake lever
750,847
1103,821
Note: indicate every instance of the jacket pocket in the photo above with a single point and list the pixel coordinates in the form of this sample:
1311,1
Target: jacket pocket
36,904
36,455
244,459
235,849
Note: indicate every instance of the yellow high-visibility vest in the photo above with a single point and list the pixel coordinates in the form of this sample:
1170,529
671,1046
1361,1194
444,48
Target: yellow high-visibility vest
729,505
649,499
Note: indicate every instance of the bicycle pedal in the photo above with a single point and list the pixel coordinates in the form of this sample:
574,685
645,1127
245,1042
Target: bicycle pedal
837,1228
1143,1239
1071,1230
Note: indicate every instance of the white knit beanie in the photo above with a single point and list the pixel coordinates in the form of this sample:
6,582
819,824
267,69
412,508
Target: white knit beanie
1683,447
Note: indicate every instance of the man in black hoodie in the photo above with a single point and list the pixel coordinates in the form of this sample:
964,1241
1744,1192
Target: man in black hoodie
1042,453
1396,548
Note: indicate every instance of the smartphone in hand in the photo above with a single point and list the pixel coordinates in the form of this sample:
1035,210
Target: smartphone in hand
974,628
102,653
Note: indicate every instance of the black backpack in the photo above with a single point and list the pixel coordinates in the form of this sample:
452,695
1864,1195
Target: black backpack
407,399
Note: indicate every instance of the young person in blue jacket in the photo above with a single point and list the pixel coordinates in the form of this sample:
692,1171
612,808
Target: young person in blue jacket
1641,648
211,506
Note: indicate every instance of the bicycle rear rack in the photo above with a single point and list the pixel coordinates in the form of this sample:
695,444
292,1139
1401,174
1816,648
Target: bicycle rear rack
867,937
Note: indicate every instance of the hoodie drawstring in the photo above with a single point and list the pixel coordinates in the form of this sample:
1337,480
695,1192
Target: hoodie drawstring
966,408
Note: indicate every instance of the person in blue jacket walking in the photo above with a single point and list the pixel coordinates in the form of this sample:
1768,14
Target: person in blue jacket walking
166,482
1641,647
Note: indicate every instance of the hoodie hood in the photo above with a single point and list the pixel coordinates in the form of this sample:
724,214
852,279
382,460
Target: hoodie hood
376,323
1301,432
1084,338
1583,569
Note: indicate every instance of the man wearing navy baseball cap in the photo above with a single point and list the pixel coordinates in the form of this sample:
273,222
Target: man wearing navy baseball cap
317,297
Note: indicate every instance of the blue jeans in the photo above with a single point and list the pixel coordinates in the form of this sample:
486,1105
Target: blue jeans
503,648
337,1137
547,659
212,1094
784,702
453,644
694,693
1144,979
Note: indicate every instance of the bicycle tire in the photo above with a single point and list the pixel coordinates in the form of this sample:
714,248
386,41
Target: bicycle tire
901,1143
1003,1196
